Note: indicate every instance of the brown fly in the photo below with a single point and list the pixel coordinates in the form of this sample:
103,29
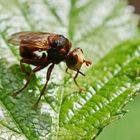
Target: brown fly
43,49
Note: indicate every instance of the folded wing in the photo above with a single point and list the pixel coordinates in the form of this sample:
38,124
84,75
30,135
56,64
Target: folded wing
30,39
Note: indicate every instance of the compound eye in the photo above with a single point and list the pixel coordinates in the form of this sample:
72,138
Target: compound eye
58,44
55,43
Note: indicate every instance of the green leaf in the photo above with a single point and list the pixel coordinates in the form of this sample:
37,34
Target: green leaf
114,83
98,27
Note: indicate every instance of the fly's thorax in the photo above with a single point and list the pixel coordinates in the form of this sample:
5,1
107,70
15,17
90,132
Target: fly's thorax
59,48
75,59
59,43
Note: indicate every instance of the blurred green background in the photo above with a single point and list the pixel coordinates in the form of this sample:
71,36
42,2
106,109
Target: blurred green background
126,128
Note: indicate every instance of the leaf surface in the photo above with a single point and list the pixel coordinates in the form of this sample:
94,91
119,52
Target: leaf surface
111,82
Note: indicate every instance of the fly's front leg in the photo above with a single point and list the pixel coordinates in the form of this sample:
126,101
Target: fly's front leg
76,75
43,90
68,71
28,80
